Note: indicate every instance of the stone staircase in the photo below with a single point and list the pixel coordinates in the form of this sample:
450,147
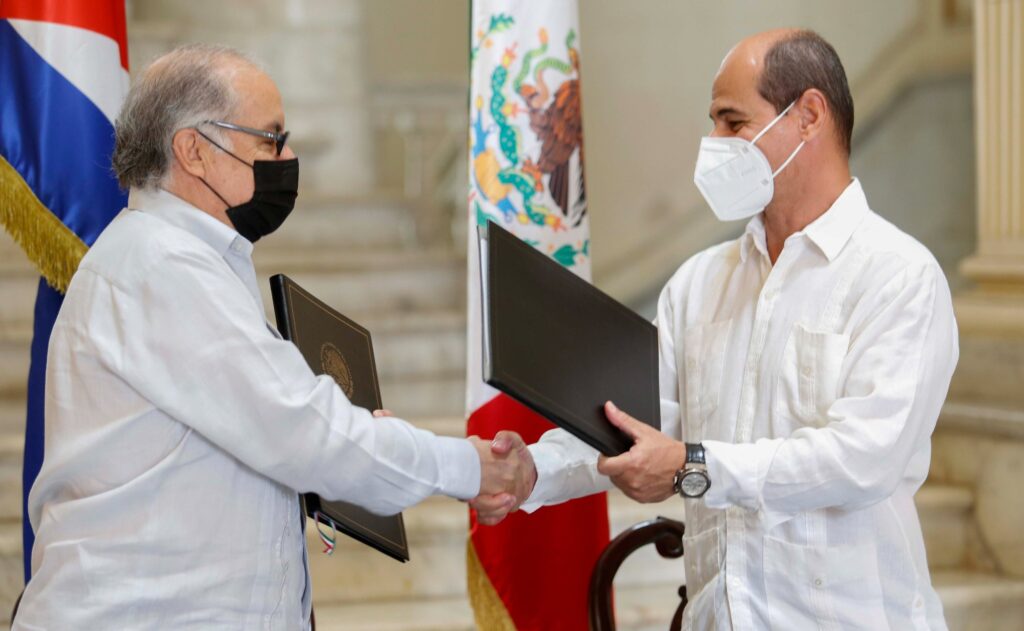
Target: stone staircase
362,256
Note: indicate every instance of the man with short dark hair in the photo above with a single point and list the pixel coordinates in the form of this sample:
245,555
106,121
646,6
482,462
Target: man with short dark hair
803,367
180,429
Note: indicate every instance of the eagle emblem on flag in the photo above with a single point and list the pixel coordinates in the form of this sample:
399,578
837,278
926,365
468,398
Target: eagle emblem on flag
530,179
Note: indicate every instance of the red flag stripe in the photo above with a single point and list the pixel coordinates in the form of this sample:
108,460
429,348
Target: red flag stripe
539,564
106,18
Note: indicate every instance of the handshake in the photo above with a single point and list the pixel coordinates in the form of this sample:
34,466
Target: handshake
645,473
507,476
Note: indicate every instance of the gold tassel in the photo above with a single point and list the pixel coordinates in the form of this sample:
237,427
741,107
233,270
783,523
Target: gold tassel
53,247
488,609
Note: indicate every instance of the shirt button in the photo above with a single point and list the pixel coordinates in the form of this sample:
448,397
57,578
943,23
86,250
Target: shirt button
818,582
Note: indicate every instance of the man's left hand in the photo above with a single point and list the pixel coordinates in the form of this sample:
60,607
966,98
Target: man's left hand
645,472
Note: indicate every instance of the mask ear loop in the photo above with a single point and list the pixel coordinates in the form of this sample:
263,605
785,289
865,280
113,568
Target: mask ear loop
214,191
329,540
789,159
766,127
203,180
765,130
218,145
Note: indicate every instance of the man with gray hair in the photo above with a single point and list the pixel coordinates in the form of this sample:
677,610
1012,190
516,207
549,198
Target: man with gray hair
179,427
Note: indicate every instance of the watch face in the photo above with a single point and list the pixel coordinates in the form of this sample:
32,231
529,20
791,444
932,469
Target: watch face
694,484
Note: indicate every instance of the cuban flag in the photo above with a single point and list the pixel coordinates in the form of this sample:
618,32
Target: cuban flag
63,76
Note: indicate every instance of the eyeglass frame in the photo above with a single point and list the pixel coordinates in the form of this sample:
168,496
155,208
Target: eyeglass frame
279,138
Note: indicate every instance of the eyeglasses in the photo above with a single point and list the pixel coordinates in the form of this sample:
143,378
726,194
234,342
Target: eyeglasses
279,138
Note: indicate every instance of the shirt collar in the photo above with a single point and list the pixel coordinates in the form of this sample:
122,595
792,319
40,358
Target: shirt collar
830,232
833,230
181,214
754,237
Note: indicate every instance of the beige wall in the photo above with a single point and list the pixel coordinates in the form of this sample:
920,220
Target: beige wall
417,41
647,82
647,71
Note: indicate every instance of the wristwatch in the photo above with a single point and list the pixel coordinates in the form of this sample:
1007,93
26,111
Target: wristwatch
692,480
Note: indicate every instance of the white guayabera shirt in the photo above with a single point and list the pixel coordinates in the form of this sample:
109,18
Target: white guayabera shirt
179,427
814,385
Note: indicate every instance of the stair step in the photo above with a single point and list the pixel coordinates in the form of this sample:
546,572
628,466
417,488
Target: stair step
410,345
12,416
375,221
945,513
356,285
423,379
426,395
328,257
433,614
437,531
12,446
406,345
637,608
350,280
441,425
11,254
14,363
975,601
972,602
350,284
12,572
17,306
341,223
428,343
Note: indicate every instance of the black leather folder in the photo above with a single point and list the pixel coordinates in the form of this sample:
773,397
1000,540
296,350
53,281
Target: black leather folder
563,347
337,346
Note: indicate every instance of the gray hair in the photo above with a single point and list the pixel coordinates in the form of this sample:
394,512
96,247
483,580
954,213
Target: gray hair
181,89
803,60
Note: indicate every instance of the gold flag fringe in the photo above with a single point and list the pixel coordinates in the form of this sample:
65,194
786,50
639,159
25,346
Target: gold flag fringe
53,247
488,609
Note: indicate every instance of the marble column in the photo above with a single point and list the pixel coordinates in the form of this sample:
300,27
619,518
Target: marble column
980,438
991,315
313,49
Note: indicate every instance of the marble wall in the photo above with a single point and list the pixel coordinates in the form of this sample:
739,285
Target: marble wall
646,80
314,50
916,162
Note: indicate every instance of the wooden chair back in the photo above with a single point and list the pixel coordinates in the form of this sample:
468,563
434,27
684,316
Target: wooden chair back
666,534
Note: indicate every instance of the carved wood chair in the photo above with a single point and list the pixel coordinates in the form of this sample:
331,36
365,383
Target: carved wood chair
666,534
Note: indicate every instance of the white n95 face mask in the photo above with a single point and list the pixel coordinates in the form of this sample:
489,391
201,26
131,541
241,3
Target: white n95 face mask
734,176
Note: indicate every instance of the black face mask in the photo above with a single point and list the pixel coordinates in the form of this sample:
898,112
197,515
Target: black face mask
273,197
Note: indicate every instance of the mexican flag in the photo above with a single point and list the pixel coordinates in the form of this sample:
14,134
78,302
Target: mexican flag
526,173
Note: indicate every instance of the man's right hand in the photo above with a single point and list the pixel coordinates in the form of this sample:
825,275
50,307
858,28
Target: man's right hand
507,476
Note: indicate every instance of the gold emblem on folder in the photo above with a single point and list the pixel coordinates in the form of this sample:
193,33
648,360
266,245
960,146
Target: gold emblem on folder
334,364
